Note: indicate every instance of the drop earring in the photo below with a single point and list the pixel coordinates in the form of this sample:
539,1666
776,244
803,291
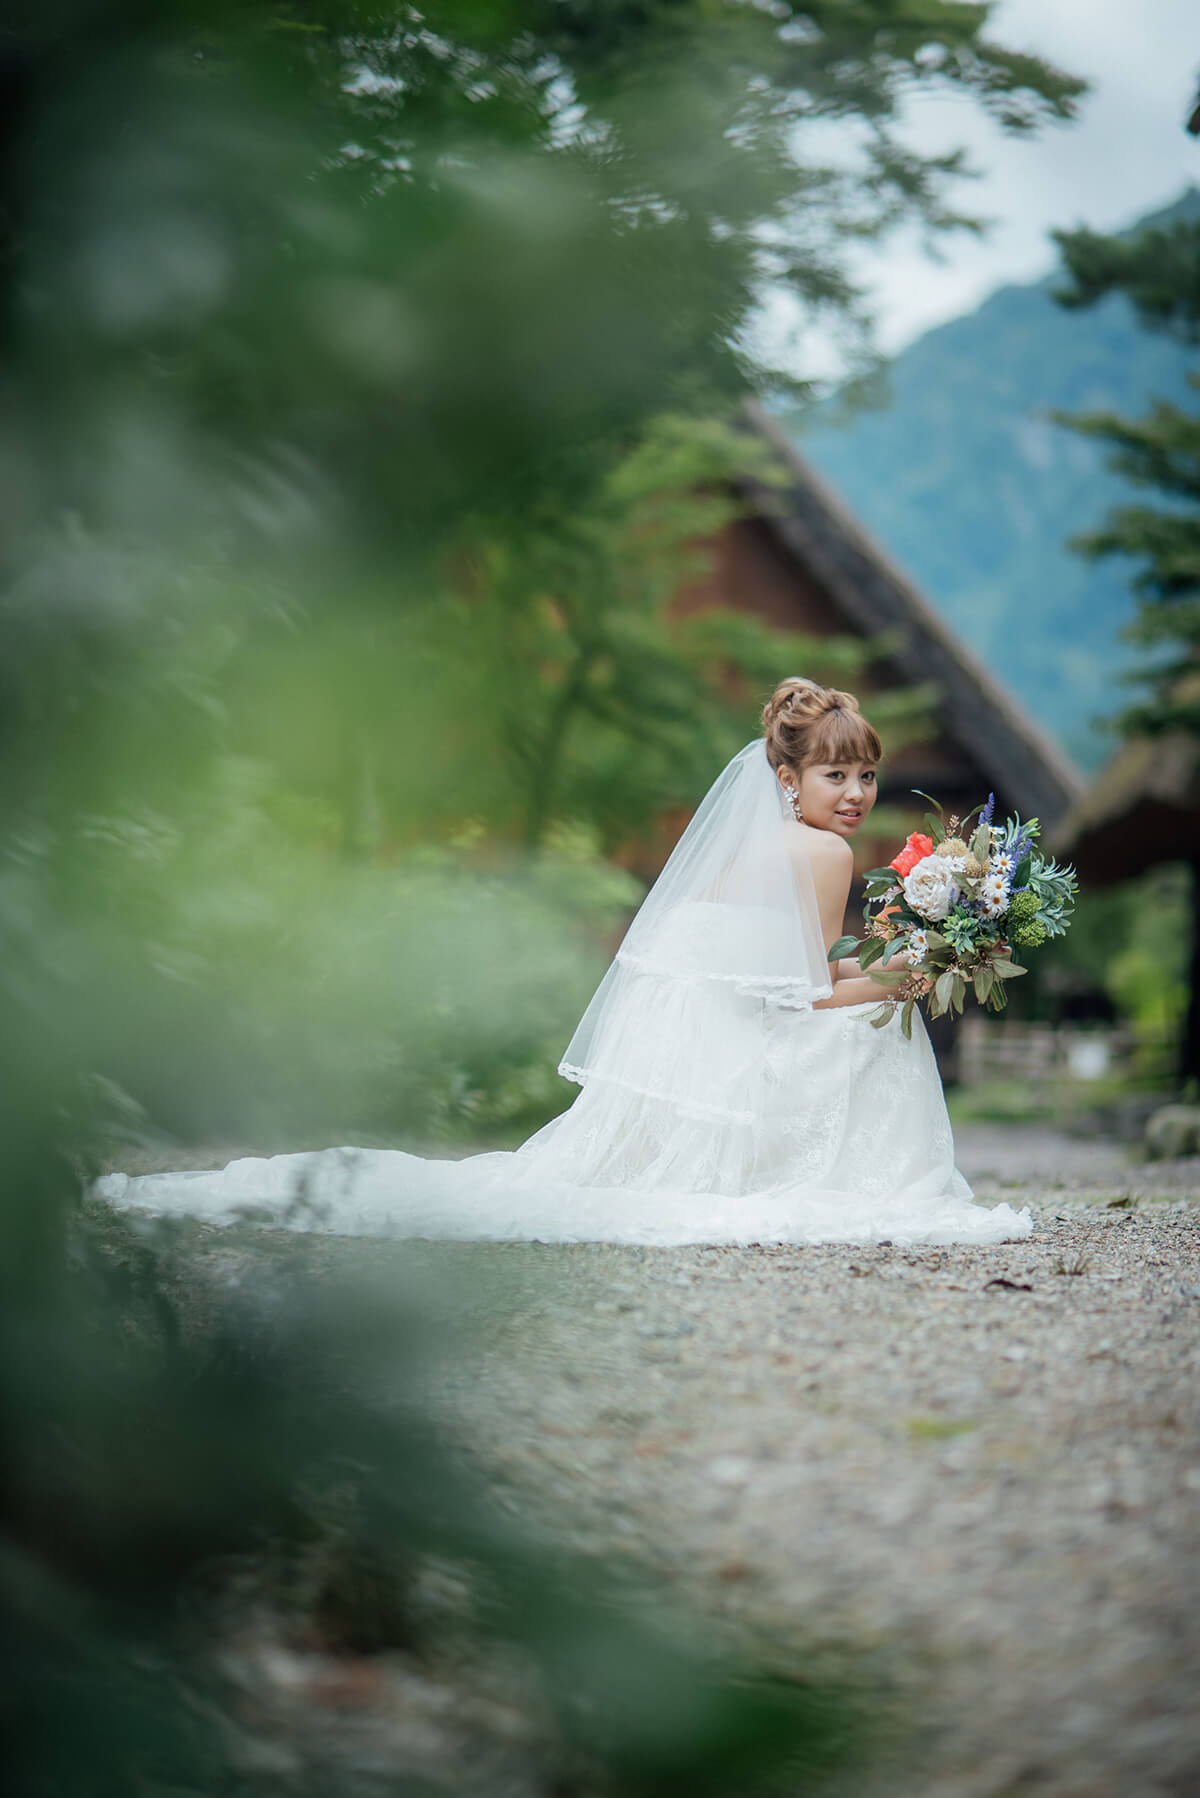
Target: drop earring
794,800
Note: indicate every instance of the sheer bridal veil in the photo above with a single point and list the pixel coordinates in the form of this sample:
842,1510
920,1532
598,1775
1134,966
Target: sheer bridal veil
730,928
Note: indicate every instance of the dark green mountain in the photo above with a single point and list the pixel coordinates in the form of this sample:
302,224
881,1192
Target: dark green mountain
974,491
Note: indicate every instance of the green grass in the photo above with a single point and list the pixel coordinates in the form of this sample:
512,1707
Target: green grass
1000,1102
1056,1099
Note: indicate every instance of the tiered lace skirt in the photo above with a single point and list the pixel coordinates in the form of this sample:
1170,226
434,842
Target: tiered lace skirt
753,1123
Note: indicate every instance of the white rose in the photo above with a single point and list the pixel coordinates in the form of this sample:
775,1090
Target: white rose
930,888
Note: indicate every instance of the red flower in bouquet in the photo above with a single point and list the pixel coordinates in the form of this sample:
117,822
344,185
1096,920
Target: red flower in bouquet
914,851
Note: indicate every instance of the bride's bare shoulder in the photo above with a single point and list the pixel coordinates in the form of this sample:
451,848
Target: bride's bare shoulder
822,847
829,858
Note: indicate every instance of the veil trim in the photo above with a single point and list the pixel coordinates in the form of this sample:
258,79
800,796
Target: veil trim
754,986
727,937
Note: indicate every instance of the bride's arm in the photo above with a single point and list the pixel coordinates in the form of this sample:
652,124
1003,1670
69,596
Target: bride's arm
848,968
832,861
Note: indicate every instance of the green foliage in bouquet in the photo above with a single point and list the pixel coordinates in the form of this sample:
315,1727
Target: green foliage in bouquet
1055,890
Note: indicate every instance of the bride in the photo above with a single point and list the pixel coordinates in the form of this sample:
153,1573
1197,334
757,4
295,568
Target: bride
733,1087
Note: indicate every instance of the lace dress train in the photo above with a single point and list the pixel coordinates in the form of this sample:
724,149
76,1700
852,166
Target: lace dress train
723,1117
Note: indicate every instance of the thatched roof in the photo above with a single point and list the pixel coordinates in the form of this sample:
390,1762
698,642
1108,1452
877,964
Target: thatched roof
1142,808
875,595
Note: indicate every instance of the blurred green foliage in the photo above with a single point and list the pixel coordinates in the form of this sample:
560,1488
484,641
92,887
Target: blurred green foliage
207,1509
369,381
1129,945
1148,922
346,351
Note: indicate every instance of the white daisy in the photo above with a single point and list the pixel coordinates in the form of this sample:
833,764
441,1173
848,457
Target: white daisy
918,947
993,895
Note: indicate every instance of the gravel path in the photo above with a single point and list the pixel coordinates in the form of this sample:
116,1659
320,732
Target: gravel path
979,1467
1000,1158
973,1474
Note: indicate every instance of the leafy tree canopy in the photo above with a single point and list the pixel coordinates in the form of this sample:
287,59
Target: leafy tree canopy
444,258
345,348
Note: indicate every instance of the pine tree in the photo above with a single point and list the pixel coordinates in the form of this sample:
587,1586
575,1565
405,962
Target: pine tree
1158,270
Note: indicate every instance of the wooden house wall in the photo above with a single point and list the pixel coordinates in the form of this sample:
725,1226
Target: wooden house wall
752,571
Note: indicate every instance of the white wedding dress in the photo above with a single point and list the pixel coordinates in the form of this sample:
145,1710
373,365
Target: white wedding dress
717,1106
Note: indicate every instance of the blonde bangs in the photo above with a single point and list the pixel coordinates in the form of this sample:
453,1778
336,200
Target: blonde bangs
842,736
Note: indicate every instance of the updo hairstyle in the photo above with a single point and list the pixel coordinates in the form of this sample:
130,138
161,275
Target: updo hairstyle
805,723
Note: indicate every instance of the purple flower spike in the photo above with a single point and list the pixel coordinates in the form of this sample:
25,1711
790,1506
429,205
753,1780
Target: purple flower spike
1020,847
989,808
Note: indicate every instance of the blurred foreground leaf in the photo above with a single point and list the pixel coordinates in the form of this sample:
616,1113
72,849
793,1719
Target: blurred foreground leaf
248,1457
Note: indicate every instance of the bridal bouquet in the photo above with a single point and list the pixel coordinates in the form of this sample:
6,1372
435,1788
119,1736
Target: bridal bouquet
957,906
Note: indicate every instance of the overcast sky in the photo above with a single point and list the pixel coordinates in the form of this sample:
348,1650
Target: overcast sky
1126,154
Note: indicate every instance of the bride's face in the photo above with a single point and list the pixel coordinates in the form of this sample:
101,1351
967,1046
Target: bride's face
836,795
